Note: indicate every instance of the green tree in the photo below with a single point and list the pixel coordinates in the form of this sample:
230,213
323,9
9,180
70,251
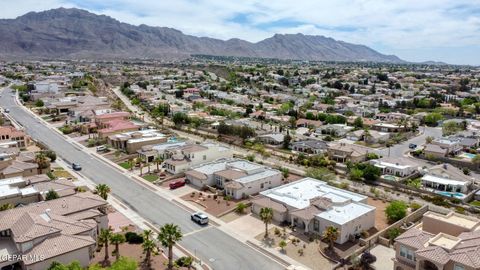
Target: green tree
450,128
432,119
116,239
6,206
158,160
104,239
396,210
282,245
331,235
169,235
149,249
286,141
51,195
39,103
358,123
102,190
356,174
266,215
42,161
240,208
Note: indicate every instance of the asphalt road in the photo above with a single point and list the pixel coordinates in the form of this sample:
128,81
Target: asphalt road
398,150
213,246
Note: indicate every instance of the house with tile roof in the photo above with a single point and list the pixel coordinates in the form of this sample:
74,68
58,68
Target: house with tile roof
441,241
62,230
237,177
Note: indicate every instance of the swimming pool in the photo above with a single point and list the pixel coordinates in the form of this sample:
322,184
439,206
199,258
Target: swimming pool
451,194
468,155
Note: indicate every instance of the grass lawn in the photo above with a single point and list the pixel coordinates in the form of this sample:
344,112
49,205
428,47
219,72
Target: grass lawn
60,172
475,203
125,165
150,177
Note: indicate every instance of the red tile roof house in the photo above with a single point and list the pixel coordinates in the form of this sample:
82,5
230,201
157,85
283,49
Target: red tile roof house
114,123
62,230
13,134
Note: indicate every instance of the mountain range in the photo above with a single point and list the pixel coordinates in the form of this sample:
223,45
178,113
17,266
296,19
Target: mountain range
77,34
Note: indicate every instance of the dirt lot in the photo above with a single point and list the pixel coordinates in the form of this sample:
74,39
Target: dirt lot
212,205
303,251
380,218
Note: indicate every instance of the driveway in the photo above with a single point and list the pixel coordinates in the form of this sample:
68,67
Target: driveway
384,256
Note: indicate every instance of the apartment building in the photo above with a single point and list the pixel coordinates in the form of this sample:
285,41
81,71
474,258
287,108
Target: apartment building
238,178
441,241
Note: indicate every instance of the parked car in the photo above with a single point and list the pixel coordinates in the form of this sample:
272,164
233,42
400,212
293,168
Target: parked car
76,167
101,148
412,146
177,184
6,110
199,218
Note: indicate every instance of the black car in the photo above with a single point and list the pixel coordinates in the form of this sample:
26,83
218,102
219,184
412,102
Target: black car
76,167
412,146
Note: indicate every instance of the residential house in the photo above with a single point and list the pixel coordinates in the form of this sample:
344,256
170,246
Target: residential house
238,178
313,147
22,165
400,167
312,205
182,158
371,136
387,127
273,139
343,152
19,190
132,141
441,241
60,230
447,180
11,134
337,130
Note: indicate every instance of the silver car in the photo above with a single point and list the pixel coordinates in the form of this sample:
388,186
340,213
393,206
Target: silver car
199,218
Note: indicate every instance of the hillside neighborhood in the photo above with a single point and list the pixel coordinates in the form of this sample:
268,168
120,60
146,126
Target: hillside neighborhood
292,164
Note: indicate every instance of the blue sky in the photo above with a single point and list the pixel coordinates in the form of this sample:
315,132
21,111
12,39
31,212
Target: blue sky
440,30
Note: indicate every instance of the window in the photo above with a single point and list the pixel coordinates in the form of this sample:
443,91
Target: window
316,225
458,267
204,157
261,185
407,253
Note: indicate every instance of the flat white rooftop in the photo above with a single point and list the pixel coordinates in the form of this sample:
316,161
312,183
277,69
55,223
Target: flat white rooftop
257,176
443,181
299,193
346,213
11,181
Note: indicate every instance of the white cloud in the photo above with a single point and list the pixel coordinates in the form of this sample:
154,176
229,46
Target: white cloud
393,26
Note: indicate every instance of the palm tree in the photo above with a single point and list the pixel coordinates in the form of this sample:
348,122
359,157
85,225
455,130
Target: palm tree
366,135
116,239
266,215
157,161
169,235
104,238
148,166
42,160
102,190
331,234
130,161
147,234
149,248
140,161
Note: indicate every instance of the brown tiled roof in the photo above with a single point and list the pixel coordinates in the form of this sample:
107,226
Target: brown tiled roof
267,202
55,246
415,238
435,254
196,174
306,213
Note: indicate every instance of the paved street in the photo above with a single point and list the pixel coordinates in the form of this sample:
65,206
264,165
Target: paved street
212,245
398,150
